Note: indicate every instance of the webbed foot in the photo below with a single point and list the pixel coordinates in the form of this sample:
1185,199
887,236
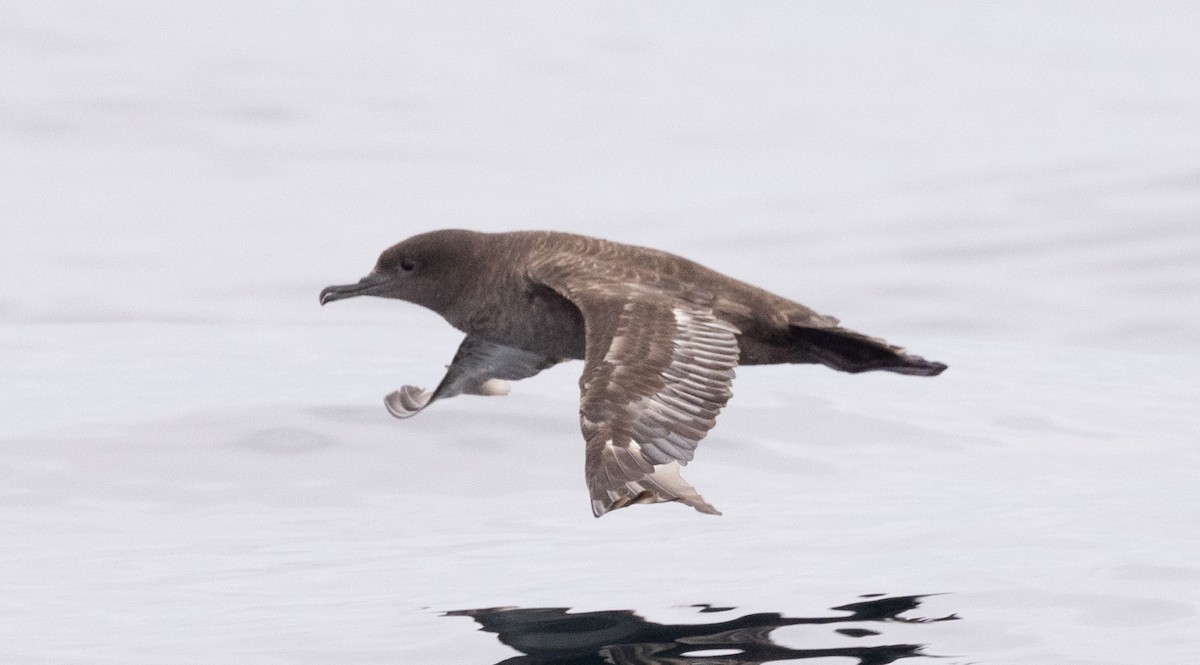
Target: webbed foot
406,402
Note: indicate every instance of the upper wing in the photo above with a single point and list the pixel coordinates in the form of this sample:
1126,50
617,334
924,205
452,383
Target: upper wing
657,373
658,369
479,367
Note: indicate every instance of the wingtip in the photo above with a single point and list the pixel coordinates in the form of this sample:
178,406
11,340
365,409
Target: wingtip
704,507
601,508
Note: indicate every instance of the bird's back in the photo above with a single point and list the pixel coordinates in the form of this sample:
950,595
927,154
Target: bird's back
612,264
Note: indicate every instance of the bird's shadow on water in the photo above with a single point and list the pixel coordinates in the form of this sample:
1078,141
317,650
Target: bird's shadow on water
553,635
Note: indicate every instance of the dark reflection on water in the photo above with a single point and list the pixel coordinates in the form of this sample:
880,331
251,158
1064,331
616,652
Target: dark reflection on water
549,635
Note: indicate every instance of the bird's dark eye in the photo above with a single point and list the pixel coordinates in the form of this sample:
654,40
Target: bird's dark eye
407,265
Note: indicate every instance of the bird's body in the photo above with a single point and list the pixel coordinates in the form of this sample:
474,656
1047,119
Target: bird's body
660,336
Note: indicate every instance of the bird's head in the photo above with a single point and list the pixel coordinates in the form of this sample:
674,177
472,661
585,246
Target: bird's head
430,269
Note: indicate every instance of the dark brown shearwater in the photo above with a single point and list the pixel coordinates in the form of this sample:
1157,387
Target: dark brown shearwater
659,335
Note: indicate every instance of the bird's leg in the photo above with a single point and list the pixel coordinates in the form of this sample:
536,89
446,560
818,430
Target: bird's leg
479,368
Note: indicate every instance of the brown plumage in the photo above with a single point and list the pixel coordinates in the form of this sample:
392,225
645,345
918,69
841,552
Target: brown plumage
660,336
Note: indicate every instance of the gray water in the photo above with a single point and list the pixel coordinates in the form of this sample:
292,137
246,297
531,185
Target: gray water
195,464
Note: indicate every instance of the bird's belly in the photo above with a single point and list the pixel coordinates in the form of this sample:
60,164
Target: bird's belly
548,336
545,323
557,340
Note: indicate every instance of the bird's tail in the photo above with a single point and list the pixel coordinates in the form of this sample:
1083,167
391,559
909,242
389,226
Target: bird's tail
849,351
